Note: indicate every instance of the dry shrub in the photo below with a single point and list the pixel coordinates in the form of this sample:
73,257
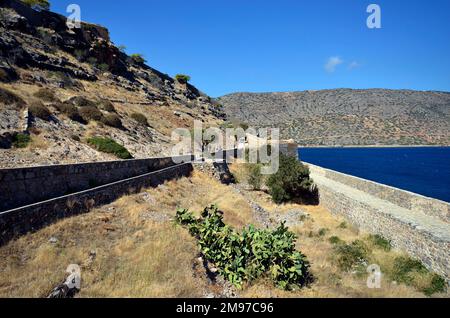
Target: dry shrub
90,113
39,110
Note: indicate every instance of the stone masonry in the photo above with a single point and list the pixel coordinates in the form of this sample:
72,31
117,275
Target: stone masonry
413,223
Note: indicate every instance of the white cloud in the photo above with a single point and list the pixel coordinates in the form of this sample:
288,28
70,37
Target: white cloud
353,64
332,63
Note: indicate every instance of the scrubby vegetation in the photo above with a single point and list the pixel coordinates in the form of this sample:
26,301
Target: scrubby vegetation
352,256
90,113
109,145
112,120
41,4
21,140
244,257
138,58
380,242
81,101
70,111
39,110
106,105
412,272
9,98
255,177
182,78
292,182
46,95
140,118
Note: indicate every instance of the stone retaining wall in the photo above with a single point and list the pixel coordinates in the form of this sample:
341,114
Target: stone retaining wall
23,186
30,218
405,199
416,224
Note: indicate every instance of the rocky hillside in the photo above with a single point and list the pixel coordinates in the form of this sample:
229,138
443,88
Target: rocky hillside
348,117
59,87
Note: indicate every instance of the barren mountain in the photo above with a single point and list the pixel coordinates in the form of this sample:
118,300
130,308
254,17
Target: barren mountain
347,116
59,87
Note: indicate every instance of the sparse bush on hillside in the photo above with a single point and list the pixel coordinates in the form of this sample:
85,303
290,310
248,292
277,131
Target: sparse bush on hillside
350,256
21,140
89,113
81,101
291,182
138,58
38,4
106,105
182,78
108,145
70,111
39,110
4,77
413,273
252,254
140,118
9,98
112,120
103,67
46,95
380,242
255,177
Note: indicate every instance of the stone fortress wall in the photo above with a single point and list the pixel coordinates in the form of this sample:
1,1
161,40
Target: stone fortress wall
414,223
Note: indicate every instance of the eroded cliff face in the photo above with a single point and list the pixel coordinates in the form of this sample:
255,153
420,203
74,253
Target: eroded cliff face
39,53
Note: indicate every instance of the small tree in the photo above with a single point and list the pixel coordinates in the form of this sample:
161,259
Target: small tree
292,181
183,79
138,58
38,4
255,176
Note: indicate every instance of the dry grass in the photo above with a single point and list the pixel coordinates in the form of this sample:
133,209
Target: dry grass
139,252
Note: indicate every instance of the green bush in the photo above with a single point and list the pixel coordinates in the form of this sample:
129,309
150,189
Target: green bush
380,242
9,98
335,240
351,255
90,113
413,273
112,120
437,285
42,4
108,145
103,67
39,110
70,111
138,58
291,182
21,140
183,79
323,232
244,257
46,95
343,225
255,177
106,105
140,118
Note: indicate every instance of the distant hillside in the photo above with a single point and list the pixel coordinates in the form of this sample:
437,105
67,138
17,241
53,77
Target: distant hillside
348,117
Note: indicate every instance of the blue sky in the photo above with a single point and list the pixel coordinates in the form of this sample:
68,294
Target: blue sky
284,45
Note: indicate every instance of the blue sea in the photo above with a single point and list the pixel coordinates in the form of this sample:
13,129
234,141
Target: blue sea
423,170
